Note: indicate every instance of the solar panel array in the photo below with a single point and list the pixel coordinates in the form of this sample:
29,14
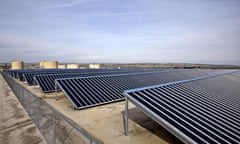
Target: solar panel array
28,74
47,82
202,110
29,77
92,91
19,74
197,106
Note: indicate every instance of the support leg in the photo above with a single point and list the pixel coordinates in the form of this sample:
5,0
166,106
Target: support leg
55,90
126,116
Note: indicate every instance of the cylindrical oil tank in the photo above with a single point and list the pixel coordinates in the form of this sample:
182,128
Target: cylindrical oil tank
72,66
62,66
17,65
50,64
94,66
41,64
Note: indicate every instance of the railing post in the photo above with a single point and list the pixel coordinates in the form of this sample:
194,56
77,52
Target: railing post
22,95
126,116
54,128
29,102
38,113
55,90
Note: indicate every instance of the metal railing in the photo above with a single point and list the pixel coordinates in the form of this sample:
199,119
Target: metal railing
54,126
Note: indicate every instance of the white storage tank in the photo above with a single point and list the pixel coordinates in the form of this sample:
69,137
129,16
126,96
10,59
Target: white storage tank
73,66
94,66
50,64
17,65
41,64
62,66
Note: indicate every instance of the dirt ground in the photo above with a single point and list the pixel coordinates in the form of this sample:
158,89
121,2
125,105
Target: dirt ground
16,127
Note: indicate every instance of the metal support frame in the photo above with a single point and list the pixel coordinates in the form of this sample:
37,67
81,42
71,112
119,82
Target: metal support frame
184,138
38,113
23,97
126,117
56,91
54,127
35,83
29,102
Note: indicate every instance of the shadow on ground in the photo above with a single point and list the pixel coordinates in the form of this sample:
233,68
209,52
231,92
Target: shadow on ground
136,115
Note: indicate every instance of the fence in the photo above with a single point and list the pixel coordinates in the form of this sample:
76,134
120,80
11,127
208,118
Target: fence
55,127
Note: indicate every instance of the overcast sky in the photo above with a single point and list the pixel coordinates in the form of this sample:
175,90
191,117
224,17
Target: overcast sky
120,31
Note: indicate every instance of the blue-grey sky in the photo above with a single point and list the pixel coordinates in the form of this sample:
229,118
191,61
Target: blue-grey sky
121,31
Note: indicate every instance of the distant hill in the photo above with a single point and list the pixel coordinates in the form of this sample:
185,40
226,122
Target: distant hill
171,65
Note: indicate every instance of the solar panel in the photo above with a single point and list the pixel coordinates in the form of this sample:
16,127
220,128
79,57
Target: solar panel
15,73
195,110
47,82
19,74
92,91
29,76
